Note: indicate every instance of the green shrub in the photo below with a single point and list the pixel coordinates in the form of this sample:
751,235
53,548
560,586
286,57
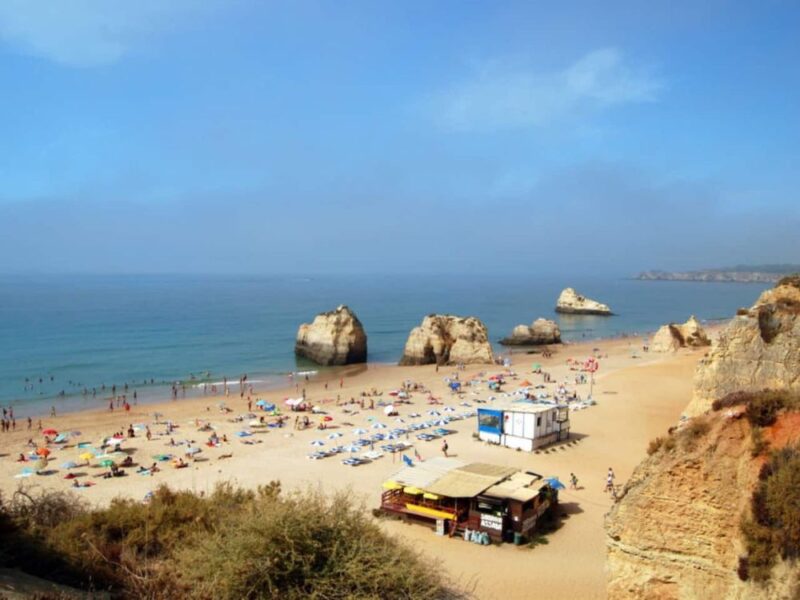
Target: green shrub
763,408
774,528
759,445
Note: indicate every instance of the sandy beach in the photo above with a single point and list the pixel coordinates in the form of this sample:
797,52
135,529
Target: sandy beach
639,396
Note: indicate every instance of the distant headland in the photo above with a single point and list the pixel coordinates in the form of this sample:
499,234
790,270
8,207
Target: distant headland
737,274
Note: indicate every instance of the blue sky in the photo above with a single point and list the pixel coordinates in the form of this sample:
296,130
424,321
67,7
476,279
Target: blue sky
261,137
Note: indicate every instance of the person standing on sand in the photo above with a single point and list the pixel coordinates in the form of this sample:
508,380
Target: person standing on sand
445,447
573,481
30,423
610,480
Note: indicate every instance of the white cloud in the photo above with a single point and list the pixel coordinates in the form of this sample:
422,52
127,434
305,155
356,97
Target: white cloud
86,33
499,97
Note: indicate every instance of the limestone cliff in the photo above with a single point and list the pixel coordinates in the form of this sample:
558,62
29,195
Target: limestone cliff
675,534
673,336
571,302
541,331
759,349
334,338
447,339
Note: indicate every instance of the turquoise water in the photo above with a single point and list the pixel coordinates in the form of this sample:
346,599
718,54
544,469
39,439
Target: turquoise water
84,332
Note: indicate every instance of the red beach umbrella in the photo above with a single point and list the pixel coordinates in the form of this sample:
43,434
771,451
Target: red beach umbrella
49,432
327,418
42,452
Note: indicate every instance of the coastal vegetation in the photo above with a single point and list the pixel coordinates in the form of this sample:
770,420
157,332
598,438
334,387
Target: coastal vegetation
233,543
773,529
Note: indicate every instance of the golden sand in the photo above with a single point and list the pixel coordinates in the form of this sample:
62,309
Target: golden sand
639,395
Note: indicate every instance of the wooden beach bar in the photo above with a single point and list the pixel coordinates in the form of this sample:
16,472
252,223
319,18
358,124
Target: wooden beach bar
454,497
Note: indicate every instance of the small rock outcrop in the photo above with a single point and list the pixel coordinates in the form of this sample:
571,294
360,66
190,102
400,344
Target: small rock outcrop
541,331
759,349
334,338
447,339
571,302
671,337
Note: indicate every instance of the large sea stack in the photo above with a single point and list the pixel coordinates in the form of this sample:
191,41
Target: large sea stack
759,349
541,331
334,338
447,339
573,303
671,337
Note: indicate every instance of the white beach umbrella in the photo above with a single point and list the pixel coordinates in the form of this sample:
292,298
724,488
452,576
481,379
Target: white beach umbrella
378,426
317,443
434,413
359,431
334,435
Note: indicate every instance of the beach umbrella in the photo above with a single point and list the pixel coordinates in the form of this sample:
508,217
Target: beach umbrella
106,463
26,472
191,451
43,452
399,420
378,426
449,409
353,448
359,431
388,410
86,456
49,432
317,443
434,413
114,441
554,483
260,402
70,464
243,434
334,435
162,457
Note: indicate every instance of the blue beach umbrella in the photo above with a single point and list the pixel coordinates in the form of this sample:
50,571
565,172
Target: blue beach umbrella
554,483
70,464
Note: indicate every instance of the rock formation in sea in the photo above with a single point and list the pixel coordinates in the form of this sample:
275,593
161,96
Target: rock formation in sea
571,302
671,337
334,338
448,339
759,349
541,331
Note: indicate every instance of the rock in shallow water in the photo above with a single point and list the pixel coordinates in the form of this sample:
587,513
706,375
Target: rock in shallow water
447,339
334,338
541,331
571,302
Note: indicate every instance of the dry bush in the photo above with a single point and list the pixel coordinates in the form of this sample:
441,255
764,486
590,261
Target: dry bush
231,544
304,546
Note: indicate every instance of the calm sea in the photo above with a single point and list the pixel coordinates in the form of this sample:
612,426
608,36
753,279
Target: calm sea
89,331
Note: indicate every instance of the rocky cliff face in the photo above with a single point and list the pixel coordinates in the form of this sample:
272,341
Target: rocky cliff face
759,349
675,532
541,331
334,338
447,339
673,336
571,302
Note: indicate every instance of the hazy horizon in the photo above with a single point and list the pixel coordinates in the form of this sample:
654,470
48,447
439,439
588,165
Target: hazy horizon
317,137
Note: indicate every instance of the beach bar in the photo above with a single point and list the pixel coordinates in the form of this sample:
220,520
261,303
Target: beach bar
523,425
456,498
